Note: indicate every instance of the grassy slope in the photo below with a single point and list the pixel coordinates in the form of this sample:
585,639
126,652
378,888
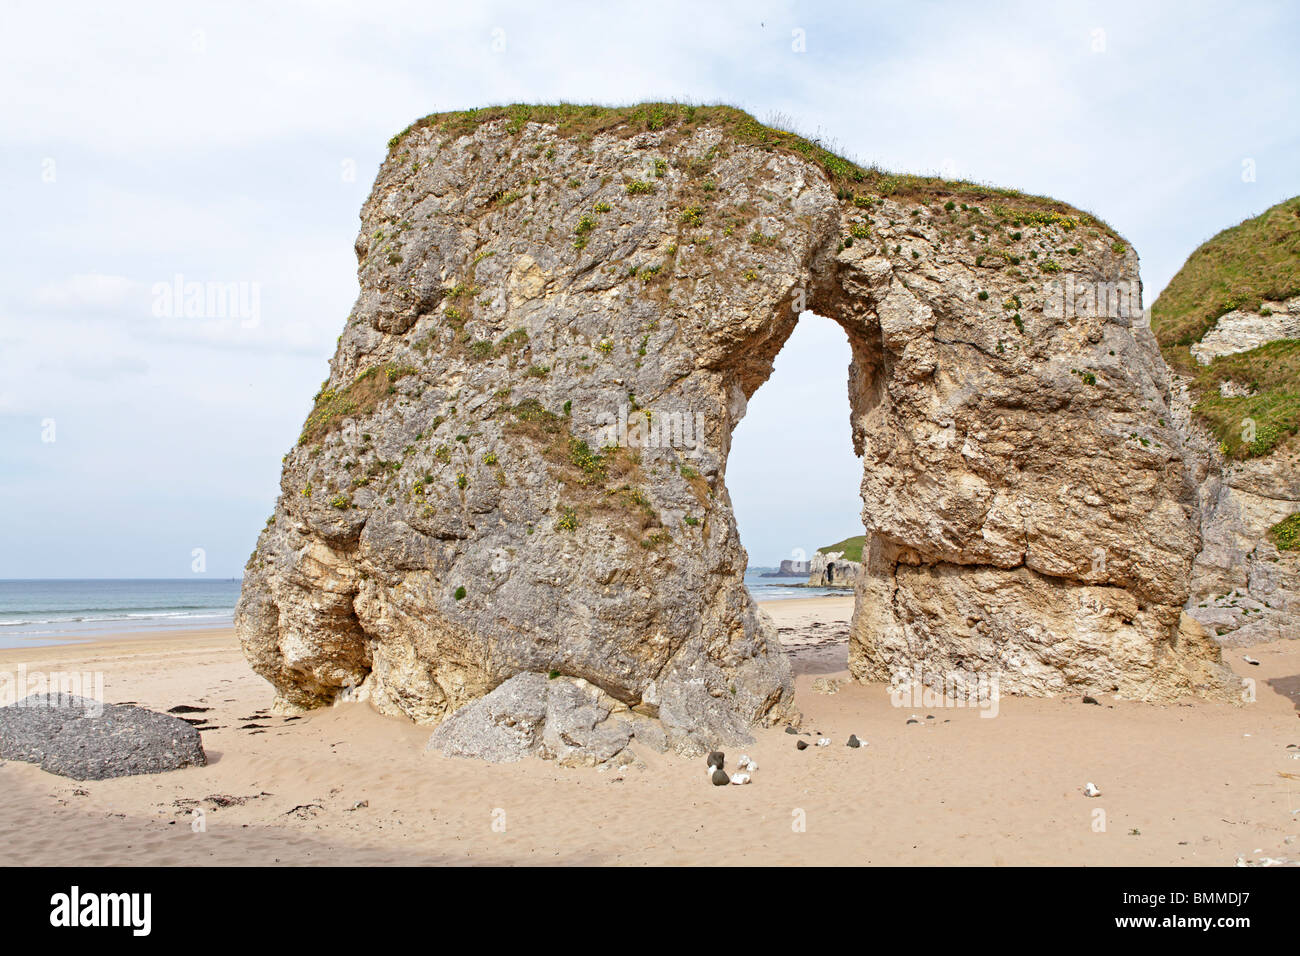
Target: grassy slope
680,119
1238,269
852,547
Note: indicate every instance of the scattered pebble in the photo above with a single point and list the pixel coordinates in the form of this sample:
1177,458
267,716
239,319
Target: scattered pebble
720,778
746,764
1249,660
801,744
1090,790
790,730
823,742
912,720
853,741
1091,700
716,759
740,779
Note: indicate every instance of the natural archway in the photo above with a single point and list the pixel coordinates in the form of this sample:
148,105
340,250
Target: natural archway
517,463
792,472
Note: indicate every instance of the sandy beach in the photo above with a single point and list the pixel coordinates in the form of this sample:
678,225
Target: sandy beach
1189,783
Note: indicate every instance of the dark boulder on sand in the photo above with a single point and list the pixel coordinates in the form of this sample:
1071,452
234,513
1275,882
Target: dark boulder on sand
87,740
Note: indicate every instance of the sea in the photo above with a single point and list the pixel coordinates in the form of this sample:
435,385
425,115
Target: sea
60,611
779,589
38,612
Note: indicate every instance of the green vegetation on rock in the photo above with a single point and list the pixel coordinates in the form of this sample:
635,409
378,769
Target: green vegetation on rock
1237,269
360,397
678,120
852,547
1240,268
1285,535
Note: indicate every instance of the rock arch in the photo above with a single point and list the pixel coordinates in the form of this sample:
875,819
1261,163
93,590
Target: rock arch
517,462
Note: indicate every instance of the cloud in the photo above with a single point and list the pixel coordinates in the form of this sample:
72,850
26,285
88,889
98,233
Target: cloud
88,291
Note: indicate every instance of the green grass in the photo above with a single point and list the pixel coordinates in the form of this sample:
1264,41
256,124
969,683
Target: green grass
852,547
360,397
1285,535
1238,269
1273,372
679,120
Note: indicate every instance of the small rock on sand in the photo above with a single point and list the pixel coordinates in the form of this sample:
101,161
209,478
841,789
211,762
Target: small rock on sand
716,759
853,741
801,744
720,778
88,740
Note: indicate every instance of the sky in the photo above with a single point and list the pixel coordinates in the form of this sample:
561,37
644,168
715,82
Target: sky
234,143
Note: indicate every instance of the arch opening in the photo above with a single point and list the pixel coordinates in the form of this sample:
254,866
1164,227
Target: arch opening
794,479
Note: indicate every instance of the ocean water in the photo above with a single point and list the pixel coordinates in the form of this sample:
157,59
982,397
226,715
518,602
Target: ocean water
56,611
40,612
777,589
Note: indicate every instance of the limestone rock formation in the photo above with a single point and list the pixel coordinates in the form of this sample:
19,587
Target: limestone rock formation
1241,330
789,568
1228,322
1244,589
569,721
832,569
517,462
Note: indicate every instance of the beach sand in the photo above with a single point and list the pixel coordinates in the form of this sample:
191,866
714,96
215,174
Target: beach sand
1189,783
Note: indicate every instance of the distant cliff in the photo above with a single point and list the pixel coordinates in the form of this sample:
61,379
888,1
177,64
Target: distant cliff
790,569
1228,324
837,565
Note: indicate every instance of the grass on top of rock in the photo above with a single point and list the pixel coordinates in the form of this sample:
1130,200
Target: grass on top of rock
679,120
360,397
852,547
1239,268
